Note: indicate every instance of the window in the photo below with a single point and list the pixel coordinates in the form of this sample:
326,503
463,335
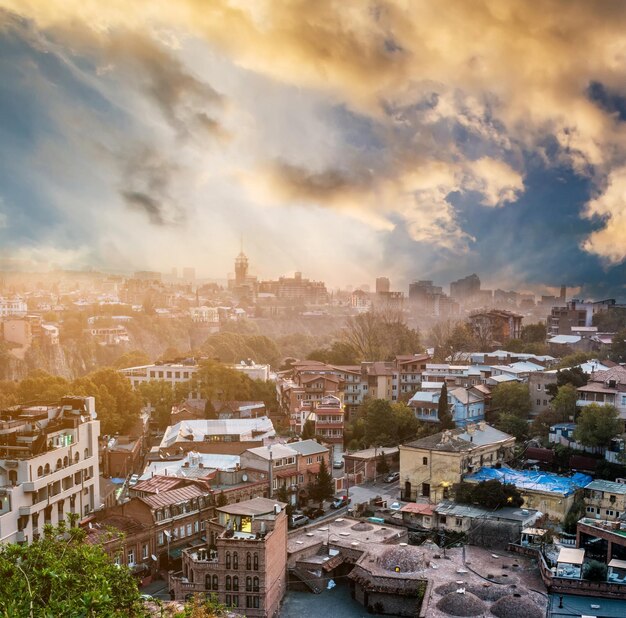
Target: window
189,529
131,557
256,562
538,402
86,455
235,600
144,552
538,387
255,602
248,561
424,461
442,519
39,471
215,582
459,522
196,526
228,599
182,531
301,478
207,583
160,539
228,582
235,560
591,509
236,583
248,584
255,585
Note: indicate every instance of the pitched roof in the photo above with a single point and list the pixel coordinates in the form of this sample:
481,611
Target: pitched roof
308,447
456,440
182,494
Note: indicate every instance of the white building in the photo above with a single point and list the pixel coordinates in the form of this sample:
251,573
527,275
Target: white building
205,315
48,466
12,306
253,371
174,373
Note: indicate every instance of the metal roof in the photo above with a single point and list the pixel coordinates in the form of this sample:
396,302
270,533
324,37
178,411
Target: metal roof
607,486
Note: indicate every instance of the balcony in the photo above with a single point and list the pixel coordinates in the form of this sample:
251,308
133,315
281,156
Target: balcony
57,475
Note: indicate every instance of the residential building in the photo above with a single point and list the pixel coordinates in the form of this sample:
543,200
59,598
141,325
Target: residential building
174,373
602,540
253,370
205,315
605,388
496,324
465,405
121,456
431,465
605,500
360,301
296,288
466,289
328,416
48,466
538,382
574,314
244,562
194,409
365,462
12,307
383,285
219,436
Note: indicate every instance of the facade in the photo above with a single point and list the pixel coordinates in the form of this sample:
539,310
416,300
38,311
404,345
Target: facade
12,307
296,288
328,416
383,285
252,370
605,500
538,382
496,324
48,466
205,315
174,373
605,387
19,333
365,461
244,562
465,289
430,466
465,405
121,456
563,319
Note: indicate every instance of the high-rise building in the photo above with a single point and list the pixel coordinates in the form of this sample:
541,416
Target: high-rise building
466,288
383,285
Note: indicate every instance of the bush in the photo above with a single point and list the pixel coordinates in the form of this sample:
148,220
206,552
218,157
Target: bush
595,571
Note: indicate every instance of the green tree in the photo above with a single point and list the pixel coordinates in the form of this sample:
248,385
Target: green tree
202,606
617,351
451,340
443,410
490,494
597,425
380,422
595,571
339,353
564,404
407,426
222,500
60,574
209,410
610,321
576,358
324,486
308,431
570,375
577,510
283,495
513,425
534,333
511,398
382,467
134,358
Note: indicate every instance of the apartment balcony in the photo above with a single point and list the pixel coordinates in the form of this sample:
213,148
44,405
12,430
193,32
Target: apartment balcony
57,475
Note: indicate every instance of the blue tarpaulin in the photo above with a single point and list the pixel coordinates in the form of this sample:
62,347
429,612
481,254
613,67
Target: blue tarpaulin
531,479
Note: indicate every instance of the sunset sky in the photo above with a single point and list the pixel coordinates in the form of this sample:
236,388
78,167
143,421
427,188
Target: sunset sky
347,139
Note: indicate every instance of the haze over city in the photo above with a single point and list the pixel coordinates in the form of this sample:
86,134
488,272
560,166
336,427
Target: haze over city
416,140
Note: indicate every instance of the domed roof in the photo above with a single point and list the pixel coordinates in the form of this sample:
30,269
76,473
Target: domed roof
461,604
516,606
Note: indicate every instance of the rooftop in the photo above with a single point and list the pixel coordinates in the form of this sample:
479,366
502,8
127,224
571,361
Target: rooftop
607,486
256,506
456,440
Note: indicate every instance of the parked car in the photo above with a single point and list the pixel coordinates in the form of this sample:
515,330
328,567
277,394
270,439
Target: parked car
392,477
134,479
299,519
314,512
337,465
339,502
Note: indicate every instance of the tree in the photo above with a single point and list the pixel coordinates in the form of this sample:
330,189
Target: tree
595,571
597,425
202,606
541,424
134,358
407,425
209,410
60,574
308,431
282,495
512,398
451,340
576,358
534,333
617,351
324,486
339,353
576,511
564,404
571,375
380,422
443,410
490,494
222,500
513,425
382,467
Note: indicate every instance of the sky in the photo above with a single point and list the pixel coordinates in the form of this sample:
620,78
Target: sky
343,139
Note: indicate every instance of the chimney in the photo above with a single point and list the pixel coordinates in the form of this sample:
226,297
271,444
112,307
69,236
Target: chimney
482,425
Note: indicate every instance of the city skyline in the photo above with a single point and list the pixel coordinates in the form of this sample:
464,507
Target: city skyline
385,140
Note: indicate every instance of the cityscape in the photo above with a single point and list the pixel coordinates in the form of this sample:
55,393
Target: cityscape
312,309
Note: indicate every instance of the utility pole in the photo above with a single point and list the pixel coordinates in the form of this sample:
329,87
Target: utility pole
269,448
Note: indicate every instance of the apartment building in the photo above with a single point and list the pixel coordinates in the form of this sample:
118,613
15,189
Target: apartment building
496,324
244,562
48,466
431,465
12,307
174,373
605,500
605,388
328,416
564,319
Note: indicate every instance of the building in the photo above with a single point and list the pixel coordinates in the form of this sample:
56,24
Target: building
465,405
606,387
244,562
431,300
174,373
383,285
549,493
19,333
538,383
12,307
328,417
431,465
205,315
575,313
465,289
496,325
219,436
365,462
48,466
121,456
296,288
605,500
252,370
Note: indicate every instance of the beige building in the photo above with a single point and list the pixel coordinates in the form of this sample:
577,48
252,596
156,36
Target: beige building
48,466
430,466
244,562
605,500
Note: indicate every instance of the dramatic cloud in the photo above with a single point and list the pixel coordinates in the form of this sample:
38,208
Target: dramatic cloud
417,121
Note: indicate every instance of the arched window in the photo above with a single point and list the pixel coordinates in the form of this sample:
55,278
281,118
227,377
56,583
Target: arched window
215,582
76,457
256,562
255,585
86,455
207,582
248,584
236,583
248,561
228,560
235,560
59,464
39,472
228,582
46,469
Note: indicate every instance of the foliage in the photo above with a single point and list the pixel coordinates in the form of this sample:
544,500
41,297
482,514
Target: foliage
576,358
222,500
380,422
564,404
512,398
443,410
534,333
574,376
377,335
61,575
201,606
576,511
513,425
610,321
231,347
338,353
595,571
540,427
382,467
597,425
324,486
134,358
405,422
451,340
617,351
8,393
283,496
209,410
489,494
161,396
308,431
